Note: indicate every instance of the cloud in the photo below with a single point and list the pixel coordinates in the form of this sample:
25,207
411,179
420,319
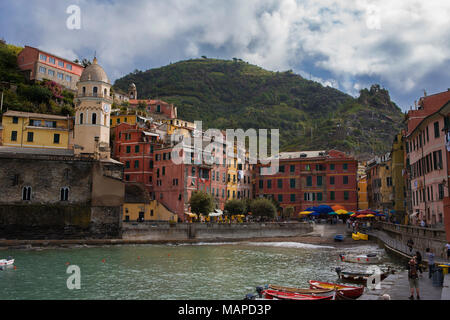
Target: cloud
403,44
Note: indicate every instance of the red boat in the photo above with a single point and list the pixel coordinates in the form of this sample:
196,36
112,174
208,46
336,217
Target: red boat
347,291
280,295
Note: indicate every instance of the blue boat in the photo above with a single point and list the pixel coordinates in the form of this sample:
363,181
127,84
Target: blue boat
339,237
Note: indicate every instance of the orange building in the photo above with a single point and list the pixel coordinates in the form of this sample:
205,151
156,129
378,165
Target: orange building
40,65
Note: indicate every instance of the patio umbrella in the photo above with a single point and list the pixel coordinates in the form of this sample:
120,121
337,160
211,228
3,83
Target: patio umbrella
314,214
332,213
370,216
305,212
337,207
324,209
341,211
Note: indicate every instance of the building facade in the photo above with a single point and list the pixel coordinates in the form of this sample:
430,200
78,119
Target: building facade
40,65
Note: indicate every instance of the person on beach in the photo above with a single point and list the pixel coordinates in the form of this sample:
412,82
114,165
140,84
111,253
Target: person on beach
430,257
413,278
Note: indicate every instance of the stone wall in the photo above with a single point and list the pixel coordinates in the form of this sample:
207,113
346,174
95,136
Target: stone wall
204,232
397,236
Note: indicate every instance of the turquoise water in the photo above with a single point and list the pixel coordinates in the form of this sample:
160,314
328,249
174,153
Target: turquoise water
168,272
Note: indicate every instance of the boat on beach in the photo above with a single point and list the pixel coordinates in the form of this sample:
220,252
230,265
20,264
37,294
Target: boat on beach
280,295
339,238
362,258
347,291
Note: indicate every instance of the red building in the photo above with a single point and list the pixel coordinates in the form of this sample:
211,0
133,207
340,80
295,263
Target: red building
156,107
39,65
311,178
135,148
174,183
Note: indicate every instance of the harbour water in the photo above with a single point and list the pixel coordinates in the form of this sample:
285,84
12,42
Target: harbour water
223,271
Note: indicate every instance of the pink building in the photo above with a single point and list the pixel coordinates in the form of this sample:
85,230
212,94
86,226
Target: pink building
427,159
39,65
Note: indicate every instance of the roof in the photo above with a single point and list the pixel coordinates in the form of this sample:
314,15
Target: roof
94,72
54,55
13,113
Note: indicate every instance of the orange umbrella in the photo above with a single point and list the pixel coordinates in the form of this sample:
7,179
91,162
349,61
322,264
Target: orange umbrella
337,207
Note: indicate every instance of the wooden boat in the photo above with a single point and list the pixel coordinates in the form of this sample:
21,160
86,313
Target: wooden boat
347,291
6,262
311,291
360,278
363,236
355,236
339,238
340,296
273,294
363,258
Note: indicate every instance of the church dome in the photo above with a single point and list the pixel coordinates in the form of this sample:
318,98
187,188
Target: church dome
94,72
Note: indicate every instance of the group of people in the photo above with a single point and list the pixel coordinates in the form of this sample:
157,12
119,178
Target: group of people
415,266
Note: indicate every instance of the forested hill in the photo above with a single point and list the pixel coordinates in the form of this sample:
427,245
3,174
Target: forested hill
234,94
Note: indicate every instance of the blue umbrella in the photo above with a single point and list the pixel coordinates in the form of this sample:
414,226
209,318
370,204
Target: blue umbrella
324,209
315,214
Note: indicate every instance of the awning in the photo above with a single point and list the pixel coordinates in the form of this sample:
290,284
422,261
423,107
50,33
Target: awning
192,215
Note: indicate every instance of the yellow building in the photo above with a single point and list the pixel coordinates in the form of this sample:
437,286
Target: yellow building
386,189
24,129
232,172
363,202
152,211
398,154
122,118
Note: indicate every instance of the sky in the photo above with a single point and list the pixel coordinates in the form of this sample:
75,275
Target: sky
403,45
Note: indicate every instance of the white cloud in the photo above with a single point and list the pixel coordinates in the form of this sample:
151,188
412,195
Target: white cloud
398,42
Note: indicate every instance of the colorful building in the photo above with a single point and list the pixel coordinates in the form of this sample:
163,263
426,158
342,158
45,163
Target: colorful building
398,181
379,183
40,65
310,178
427,160
24,129
363,202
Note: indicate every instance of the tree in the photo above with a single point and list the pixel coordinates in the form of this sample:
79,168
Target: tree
201,202
263,208
235,207
141,107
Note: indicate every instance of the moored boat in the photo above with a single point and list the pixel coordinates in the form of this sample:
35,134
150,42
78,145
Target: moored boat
313,291
348,291
360,278
273,294
339,238
363,258
6,262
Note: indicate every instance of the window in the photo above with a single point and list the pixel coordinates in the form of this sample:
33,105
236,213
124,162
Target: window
136,164
68,78
345,166
68,66
345,178
136,149
61,63
15,120
163,171
127,165
26,193
332,195
30,136
280,198
128,149
281,169
51,60
441,191
436,129
292,168
389,181
261,184
269,184
292,197
56,138
292,183
81,118
158,108
51,73
127,177
332,168
60,76
14,136
42,70
309,181
319,196
346,195
94,118
42,57
331,180
319,181
280,183
64,196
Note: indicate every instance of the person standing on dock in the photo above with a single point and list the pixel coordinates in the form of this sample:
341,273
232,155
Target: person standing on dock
447,246
413,277
430,257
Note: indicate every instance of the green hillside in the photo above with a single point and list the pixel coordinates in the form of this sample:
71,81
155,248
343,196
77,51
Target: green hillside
234,94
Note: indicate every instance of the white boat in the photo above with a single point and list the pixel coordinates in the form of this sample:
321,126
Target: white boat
6,262
362,258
